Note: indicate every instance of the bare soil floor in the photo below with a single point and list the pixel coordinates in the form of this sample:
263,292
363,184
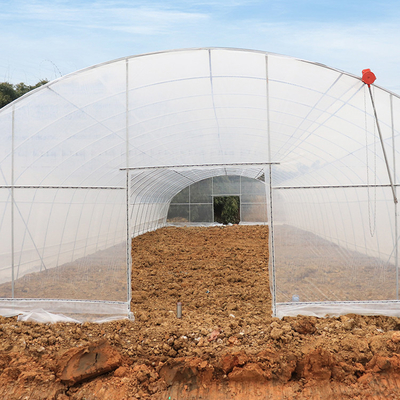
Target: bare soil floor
225,346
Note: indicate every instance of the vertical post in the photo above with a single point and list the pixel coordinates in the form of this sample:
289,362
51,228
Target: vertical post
128,233
212,198
396,261
190,206
271,242
271,267
128,244
240,198
396,232
12,203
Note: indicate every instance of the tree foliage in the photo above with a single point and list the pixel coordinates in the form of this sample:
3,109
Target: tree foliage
7,93
227,209
10,92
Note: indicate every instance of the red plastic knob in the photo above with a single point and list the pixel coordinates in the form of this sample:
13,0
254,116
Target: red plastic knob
368,76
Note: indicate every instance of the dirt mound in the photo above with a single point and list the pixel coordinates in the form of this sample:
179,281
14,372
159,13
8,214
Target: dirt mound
226,346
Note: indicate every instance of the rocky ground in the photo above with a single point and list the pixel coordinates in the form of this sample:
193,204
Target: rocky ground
225,346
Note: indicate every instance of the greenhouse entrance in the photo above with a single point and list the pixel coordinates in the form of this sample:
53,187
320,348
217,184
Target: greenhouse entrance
227,209
224,199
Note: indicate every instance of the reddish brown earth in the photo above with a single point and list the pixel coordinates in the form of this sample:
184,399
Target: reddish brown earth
226,346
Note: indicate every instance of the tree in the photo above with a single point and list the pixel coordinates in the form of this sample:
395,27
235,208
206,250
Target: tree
7,93
10,92
227,209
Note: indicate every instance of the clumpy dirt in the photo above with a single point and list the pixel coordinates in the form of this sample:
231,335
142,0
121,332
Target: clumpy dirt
225,346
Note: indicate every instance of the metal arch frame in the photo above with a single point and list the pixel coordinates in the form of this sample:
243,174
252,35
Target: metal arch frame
199,166
189,49
12,187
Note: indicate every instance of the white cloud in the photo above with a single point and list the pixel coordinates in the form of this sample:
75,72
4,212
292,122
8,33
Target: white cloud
100,15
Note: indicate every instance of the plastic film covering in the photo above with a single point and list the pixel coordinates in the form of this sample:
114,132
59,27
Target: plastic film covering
95,157
63,197
195,203
335,232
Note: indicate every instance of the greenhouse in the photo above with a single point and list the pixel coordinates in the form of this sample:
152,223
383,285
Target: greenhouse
197,203
94,158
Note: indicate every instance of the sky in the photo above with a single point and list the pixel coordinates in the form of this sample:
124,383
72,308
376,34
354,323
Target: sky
46,39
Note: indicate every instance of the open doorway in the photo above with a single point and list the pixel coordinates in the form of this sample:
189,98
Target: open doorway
227,209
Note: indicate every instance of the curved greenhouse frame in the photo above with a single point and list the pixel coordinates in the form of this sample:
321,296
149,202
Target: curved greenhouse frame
95,157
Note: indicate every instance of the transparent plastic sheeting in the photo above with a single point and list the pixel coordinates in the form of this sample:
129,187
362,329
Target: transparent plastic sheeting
63,310
195,203
95,157
388,308
153,189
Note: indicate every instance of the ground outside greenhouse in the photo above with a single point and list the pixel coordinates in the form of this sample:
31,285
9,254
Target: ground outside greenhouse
225,346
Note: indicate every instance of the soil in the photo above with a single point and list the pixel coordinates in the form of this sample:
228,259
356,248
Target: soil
320,270
226,345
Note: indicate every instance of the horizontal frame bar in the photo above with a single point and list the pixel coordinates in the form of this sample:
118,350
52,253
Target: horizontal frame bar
60,187
201,165
331,186
83,310
336,308
332,302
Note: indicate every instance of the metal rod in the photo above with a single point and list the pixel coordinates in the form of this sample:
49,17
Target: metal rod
396,260
179,310
212,198
201,165
345,302
383,146
396,231
61,187
240,198
30,236
330,186
271,268
128,245
267,108
272,249
12,202
127,197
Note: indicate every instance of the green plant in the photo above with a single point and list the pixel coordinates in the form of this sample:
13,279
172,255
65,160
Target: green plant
227,209
10,92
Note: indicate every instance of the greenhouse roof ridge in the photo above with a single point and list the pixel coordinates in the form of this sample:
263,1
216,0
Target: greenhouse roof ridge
191,49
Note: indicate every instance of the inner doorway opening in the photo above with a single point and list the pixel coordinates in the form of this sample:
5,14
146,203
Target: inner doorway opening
226,209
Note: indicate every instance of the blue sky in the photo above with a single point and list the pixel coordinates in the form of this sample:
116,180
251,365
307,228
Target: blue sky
49,38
